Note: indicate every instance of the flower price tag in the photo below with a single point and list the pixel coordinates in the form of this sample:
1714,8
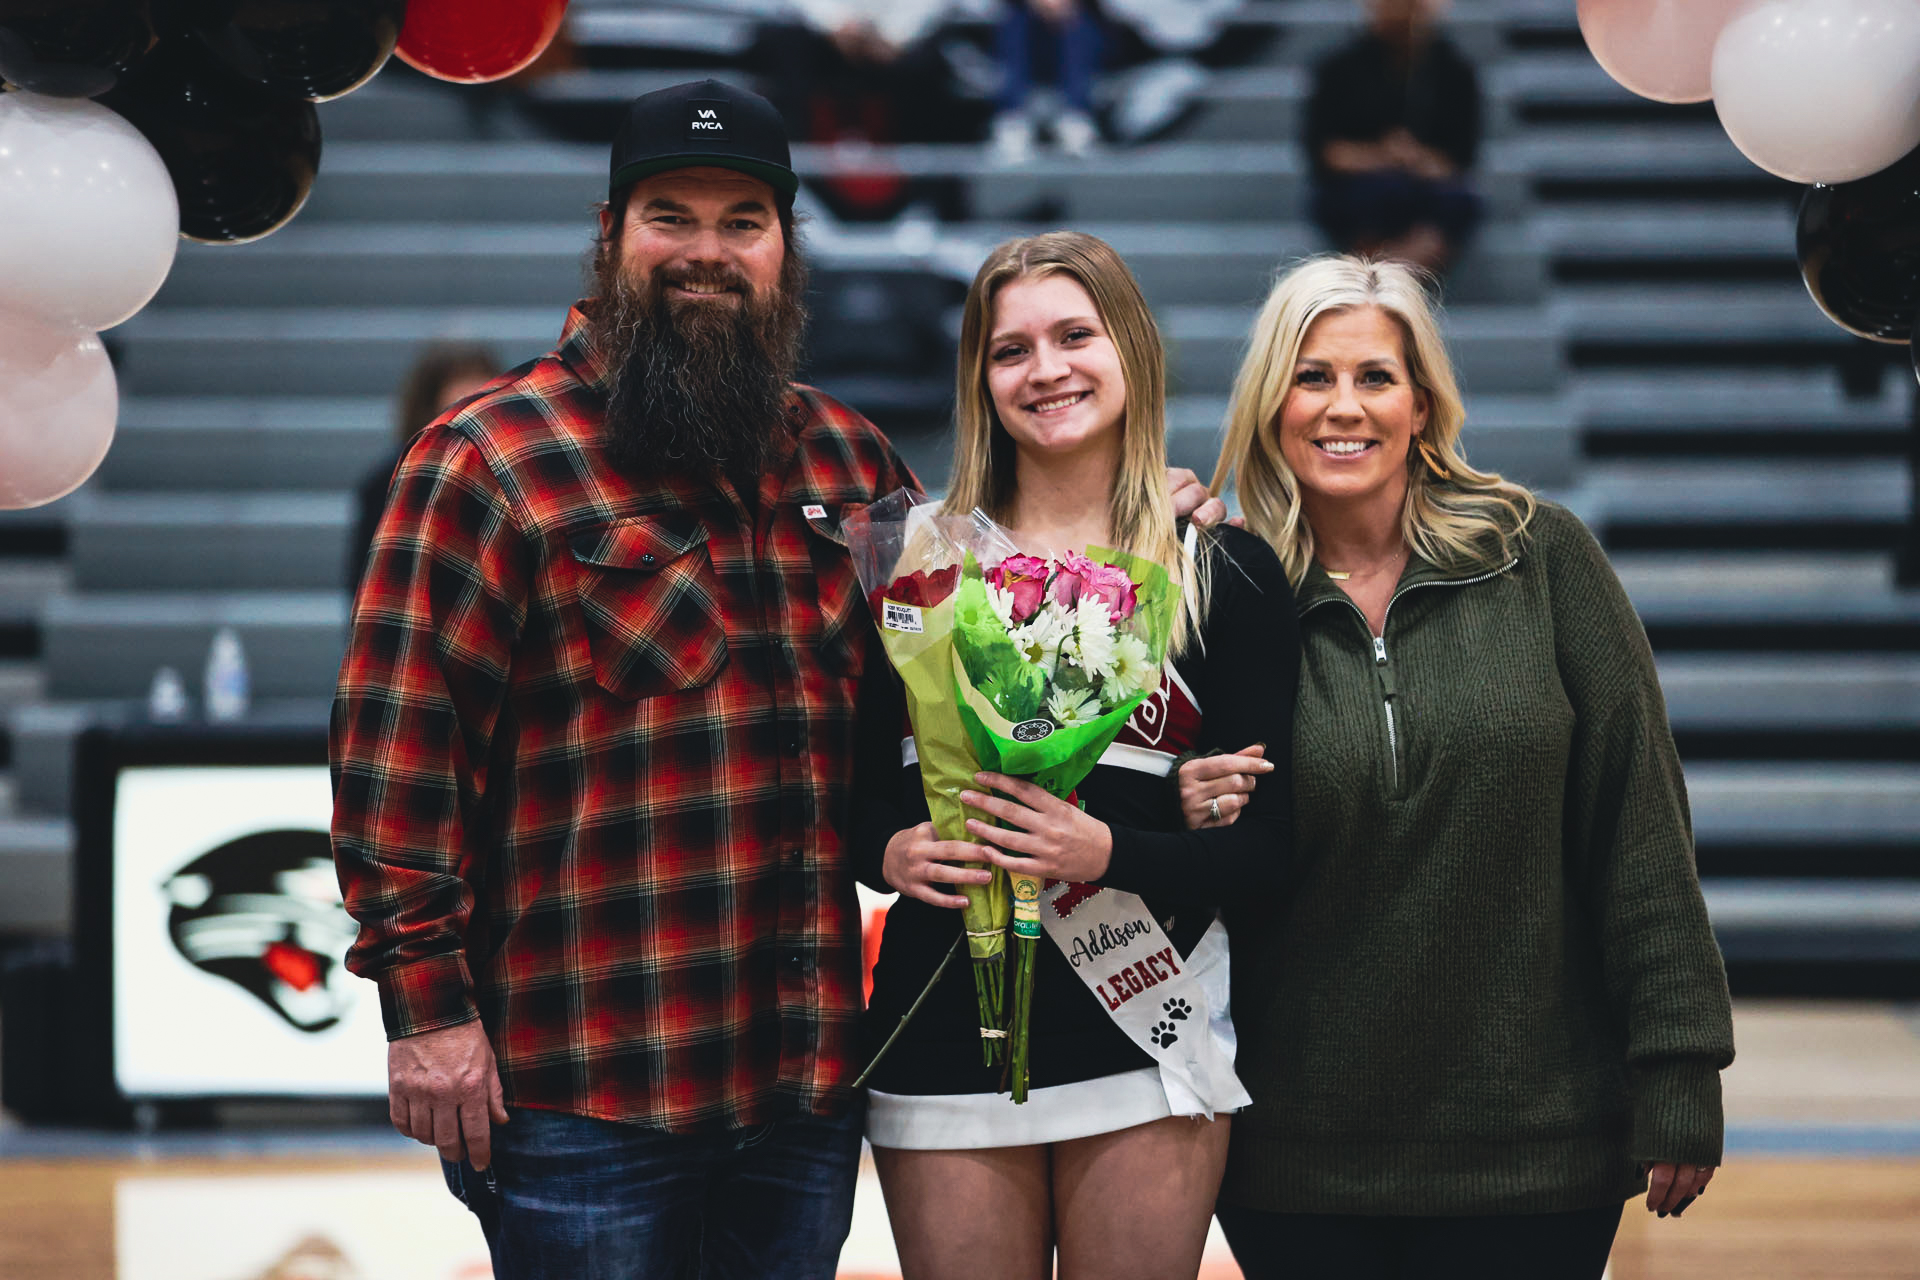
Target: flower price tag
895,616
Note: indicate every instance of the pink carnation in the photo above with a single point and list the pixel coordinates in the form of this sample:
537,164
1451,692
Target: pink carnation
1026,578
1111,584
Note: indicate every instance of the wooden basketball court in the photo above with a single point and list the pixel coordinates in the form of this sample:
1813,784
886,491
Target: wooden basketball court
1822,1183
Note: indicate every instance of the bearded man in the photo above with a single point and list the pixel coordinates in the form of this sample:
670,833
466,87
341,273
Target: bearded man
592,744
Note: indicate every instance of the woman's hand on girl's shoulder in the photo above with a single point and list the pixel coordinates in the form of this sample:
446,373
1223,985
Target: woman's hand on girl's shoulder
921,865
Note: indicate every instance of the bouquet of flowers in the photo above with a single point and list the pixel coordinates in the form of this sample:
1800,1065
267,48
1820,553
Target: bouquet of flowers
1013,664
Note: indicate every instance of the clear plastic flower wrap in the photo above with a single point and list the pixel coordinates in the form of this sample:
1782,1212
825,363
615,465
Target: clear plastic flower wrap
1013,664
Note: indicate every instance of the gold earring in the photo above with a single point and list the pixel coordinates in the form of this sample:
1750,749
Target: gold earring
1432,458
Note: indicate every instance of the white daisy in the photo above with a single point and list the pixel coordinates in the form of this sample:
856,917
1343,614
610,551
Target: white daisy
1132,669
1002,602
1092,646
1071,707
1039,641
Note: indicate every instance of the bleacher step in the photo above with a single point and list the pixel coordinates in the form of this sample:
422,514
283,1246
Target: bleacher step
1495,349
1788,691
1849,598
237,443
1789,802
1724,494
36,866
1741,400
108,644
555,183
1697,315
210,541
1815,921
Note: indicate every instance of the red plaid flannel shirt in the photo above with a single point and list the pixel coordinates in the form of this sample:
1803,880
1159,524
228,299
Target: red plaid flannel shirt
592,748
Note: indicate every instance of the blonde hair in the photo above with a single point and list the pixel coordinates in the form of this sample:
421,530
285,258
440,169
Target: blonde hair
1140,513
1468,519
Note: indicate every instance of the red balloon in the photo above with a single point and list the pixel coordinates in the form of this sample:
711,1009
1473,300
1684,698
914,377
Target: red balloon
474,41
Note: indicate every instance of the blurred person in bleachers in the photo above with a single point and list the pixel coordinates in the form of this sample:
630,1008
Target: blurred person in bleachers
442,375
856,73
1067,35
1392,130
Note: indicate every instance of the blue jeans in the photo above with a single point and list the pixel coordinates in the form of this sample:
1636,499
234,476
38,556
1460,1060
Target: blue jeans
1074,49
570,1198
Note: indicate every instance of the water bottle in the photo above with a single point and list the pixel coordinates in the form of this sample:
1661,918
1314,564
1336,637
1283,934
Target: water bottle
226,682
167,697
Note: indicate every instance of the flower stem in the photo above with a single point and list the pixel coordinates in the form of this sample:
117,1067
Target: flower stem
912,1009
989,979
1022,1014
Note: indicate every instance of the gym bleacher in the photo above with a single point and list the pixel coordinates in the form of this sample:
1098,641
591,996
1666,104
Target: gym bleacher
1630,328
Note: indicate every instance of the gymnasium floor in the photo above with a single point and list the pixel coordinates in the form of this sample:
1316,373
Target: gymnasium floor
1822,1182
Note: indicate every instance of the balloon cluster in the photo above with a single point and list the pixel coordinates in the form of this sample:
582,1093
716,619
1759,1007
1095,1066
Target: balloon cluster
1824,92
204,128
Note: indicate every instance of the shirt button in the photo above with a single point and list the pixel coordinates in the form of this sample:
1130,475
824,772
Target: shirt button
646,557
793,855
795,960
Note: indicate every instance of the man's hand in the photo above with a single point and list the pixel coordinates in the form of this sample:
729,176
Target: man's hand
921,865
1192,499
443,1088
1672,1187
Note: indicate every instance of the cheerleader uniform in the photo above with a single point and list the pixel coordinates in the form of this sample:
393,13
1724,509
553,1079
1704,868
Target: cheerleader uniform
1232,687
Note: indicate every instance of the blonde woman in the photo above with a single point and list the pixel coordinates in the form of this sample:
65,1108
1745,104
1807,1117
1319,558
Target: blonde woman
1061,438
1492,1005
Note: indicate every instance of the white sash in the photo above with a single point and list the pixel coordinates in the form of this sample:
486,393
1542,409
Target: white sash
1172,1006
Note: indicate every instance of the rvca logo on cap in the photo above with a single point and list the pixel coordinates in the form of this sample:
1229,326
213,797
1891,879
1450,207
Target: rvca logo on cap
708,121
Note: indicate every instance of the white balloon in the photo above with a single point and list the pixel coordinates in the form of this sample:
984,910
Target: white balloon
1821,90
89,221
58,405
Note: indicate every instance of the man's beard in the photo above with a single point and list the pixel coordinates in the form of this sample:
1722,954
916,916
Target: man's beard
698,387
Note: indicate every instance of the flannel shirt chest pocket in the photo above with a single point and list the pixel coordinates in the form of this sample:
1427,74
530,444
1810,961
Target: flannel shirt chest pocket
651,605
844,625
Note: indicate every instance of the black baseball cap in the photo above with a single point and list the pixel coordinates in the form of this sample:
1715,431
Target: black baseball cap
704,122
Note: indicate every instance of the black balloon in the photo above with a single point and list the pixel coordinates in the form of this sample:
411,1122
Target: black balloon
243,160
70,48
1859,250
312,49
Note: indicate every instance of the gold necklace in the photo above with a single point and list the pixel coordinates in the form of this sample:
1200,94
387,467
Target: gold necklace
1344,575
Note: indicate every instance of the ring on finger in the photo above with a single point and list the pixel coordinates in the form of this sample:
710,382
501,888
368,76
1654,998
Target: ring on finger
1213,808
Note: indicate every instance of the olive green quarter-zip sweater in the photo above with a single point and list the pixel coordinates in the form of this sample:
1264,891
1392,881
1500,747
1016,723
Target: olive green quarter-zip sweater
1494,988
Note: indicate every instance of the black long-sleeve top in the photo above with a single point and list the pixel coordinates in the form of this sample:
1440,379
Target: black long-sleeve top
1242,673
1364,90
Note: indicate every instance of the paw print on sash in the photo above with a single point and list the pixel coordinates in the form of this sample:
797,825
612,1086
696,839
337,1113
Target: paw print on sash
1177,1009
1163,1034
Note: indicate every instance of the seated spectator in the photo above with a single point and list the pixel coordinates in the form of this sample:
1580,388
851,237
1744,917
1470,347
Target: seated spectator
443,374
1392,130
856,73
1067,34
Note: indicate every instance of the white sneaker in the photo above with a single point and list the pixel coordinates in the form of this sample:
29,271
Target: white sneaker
1012,137
1075,133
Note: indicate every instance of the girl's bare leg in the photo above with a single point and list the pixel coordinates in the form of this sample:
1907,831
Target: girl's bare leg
970,1215
1137,1202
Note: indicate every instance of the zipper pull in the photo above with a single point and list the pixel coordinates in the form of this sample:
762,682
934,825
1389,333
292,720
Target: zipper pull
1381,666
